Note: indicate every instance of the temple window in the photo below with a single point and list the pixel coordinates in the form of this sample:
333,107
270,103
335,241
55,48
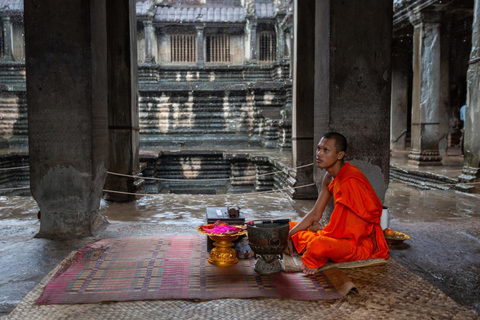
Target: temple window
267,46
218,48
183,48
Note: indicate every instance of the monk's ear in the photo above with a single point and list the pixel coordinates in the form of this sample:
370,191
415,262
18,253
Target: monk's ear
341,155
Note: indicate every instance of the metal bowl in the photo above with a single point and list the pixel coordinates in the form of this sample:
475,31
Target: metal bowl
271,238
396,238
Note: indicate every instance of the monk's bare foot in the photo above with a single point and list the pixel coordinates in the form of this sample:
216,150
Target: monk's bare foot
290,249
306,270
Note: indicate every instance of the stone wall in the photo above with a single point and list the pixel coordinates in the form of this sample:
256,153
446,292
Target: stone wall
219,172
251,104
13,124
16,178
216,106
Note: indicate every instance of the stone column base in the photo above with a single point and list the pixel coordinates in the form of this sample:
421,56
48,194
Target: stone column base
63,226
424,158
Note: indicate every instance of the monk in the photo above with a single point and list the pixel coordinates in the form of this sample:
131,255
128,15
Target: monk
354,231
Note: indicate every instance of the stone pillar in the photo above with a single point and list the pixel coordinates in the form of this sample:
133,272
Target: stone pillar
471,164
280,36
251,38
123,122
289,51
426,97
149,35
303,98
444,92
200,46
352,83
7,39
401,56
67,113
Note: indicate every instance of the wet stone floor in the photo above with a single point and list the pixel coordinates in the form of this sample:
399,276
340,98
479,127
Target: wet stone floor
444,227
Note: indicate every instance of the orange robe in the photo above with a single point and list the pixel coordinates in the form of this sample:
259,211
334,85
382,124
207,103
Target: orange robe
354,231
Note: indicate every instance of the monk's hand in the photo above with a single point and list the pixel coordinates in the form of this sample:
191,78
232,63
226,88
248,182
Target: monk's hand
290,250
315,227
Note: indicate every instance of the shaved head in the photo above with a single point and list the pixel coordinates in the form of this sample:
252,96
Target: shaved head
340,140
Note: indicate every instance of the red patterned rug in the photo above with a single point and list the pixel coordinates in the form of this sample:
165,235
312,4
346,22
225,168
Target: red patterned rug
174,267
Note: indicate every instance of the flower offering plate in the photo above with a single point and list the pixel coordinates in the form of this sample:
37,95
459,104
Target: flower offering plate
223,236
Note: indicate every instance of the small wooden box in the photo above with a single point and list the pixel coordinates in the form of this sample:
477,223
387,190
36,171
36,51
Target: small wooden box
221,213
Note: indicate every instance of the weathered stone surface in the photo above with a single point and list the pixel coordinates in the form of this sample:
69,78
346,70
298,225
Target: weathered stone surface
67,101
426,89
214,171
303,97
16,178
265,84
13,112
471,171
353,83
401,65
210,117
123,120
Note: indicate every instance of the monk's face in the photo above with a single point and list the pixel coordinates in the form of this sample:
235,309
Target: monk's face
327,155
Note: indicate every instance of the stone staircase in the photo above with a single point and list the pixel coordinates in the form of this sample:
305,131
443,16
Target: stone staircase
14,123
16,178
230,106
236,172
210,118
186,166
13,76
422,179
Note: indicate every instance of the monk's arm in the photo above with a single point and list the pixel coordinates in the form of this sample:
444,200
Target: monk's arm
316,213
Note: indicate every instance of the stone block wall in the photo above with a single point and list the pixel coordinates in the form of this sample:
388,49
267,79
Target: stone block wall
219,172
13,120
16,178
216,106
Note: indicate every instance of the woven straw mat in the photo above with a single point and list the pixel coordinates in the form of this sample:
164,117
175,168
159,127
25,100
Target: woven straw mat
384,292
